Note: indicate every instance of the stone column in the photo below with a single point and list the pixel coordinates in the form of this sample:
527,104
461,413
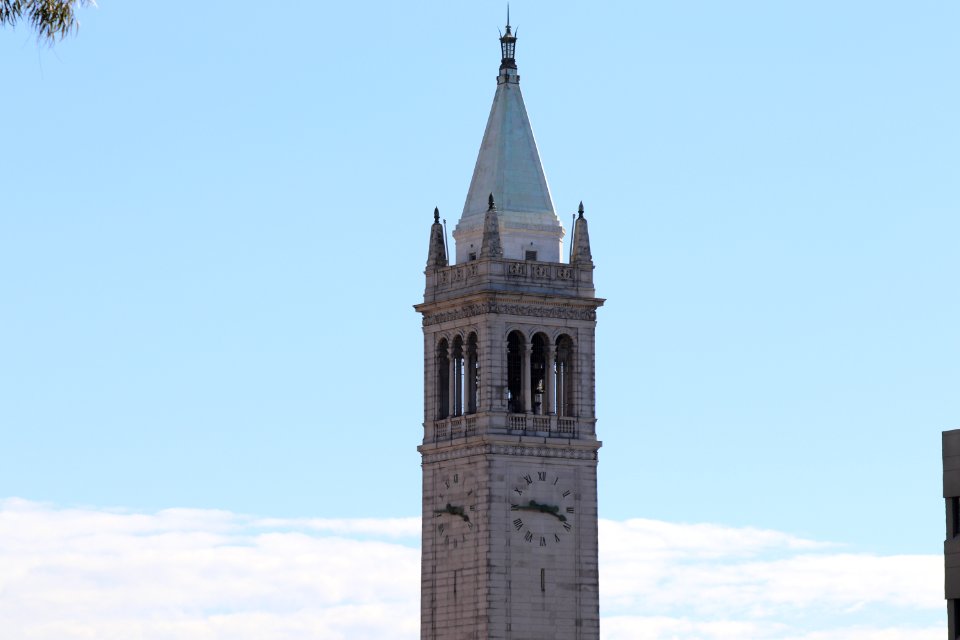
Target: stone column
527,375
550,401
452,388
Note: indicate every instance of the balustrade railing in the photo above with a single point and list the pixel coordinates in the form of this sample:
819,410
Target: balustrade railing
460,426
517,421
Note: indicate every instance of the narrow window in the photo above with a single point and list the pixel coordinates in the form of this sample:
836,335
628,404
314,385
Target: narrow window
538,372
515,346
954,508
565,376
531,255
443,380
472,373
458,376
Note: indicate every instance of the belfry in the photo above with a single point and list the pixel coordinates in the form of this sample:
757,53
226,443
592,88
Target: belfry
509,451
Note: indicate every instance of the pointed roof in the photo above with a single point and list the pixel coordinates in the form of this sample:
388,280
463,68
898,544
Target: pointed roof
437,255
491,248
581,240
508,164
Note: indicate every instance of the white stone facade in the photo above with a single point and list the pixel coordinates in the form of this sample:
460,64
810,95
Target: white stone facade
510,571
509,450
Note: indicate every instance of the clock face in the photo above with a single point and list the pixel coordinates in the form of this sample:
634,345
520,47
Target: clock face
454,510
541,507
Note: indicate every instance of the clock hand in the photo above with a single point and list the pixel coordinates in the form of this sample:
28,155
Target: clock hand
454,511
533,505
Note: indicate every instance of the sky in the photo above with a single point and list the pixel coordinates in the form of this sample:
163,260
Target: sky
214,225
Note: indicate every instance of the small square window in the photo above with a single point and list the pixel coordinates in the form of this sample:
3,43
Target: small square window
473,256
531,255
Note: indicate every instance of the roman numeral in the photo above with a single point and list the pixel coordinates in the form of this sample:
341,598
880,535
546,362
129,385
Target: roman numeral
556,480
446,483
456,478
441,527
556,537
566,493
542,476
518,524
519,492
528,537
528,479
567,526
543,541
569,509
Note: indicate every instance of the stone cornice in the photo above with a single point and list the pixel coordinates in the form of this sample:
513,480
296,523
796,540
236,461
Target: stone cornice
530,310
506,449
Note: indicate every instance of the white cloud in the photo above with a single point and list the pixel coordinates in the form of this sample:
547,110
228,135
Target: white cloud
67,574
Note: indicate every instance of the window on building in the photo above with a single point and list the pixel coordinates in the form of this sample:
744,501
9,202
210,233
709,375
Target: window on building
953,506
515,346
473,256
565,377
531,255
538,373
458,376
472,374
443,379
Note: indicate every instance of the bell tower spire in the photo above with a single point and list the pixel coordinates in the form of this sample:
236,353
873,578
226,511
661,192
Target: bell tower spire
508,166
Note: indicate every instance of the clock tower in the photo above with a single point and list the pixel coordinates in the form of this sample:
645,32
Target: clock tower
509,451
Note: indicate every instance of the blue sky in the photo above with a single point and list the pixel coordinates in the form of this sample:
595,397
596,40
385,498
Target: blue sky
214,224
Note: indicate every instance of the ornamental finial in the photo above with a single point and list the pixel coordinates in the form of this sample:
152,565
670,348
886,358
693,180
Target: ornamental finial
508,45
580,210
491,205
436,214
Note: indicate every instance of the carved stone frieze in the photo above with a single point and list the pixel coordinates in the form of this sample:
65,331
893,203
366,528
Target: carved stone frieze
510,450
533,311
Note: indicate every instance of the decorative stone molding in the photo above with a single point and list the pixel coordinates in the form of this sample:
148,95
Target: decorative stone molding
510,450
457,273
533,311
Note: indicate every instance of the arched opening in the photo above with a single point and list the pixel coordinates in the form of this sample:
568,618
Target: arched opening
443,379
565,377
515,346
538,374
458,371
471,374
